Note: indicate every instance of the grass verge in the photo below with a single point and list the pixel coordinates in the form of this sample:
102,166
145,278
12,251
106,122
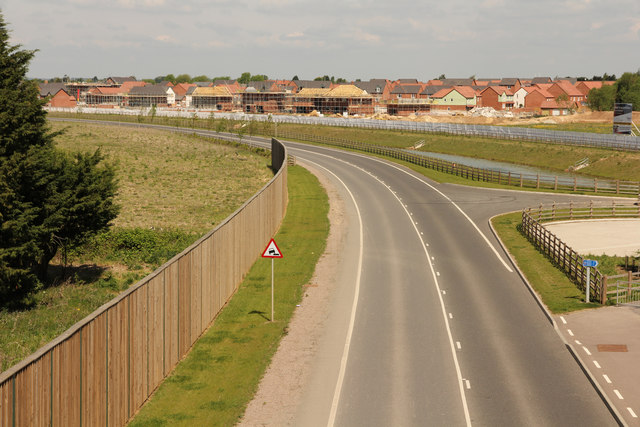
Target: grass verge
217,379
557,292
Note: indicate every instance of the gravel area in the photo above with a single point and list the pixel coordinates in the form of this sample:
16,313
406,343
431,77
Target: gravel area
280,389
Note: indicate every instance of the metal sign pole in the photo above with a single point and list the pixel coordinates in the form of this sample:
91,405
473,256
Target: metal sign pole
272,290
588,282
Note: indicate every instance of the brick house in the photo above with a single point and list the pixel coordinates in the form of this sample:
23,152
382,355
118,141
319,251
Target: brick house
497,97
62,99
565,88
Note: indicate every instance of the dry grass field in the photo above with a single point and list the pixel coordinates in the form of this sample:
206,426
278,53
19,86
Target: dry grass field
173,189
171,180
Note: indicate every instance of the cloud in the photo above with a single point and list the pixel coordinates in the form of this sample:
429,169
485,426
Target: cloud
364,36
634,29
577,5
164,38
295,35
130,4
491,4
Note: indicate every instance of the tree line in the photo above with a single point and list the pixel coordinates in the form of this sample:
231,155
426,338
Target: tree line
626,89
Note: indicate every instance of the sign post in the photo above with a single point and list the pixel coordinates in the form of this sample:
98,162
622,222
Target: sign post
272,251
589,263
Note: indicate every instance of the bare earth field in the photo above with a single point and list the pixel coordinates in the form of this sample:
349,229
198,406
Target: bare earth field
580,117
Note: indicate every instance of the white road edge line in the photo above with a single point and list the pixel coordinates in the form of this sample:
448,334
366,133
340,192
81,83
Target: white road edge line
463,397
336,395
354,307
495,251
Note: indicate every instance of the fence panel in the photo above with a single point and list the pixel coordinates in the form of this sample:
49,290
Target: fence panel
559,252
102,369
94,371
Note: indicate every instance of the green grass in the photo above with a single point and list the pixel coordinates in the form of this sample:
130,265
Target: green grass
217,379
603,128
552,157
173,188
558,293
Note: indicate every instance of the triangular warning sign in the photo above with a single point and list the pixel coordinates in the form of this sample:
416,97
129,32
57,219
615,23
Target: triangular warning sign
272,250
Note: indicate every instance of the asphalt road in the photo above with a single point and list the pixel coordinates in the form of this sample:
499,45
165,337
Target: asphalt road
429,324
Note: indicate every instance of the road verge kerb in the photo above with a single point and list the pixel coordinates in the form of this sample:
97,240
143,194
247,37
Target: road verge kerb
576,356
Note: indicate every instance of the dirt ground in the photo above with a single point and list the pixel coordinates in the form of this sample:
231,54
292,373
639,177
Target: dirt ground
579,117
280,389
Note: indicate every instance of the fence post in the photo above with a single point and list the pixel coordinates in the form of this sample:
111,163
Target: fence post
521,182
595,185
509,179
629,279
603,291
537,180
571,209
575,183
555,186
591,209
617,186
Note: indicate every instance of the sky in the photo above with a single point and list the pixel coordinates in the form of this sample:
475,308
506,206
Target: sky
351,39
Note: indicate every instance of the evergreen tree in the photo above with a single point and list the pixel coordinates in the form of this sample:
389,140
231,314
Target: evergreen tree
48,199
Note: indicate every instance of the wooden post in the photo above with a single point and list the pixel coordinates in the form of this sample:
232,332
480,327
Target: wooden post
555,186
571,210
537,180
595,185
629,279
575,183
522,183
509,179
603,291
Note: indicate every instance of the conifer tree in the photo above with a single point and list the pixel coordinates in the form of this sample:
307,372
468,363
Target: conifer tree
48,198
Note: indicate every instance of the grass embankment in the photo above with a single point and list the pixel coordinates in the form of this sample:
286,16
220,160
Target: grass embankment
558,293
556,290
604,163
173,188
217,379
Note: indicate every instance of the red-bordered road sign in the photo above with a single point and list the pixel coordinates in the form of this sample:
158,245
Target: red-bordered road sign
272,250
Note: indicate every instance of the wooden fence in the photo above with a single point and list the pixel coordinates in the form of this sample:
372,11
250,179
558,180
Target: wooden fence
105,367
538,181
560,253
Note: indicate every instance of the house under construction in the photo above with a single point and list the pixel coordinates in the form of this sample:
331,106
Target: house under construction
343,99
217,98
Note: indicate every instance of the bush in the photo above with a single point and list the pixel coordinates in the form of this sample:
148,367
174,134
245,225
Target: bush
135,246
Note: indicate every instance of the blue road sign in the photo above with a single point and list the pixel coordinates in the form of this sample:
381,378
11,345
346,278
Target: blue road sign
589,263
